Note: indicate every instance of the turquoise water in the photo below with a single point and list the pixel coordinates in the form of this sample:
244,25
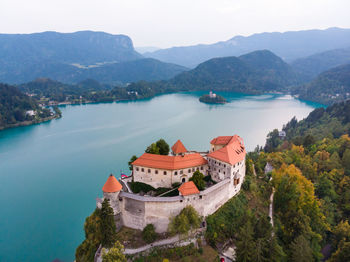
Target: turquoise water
51,173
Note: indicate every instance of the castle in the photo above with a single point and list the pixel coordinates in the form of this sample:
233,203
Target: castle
224,162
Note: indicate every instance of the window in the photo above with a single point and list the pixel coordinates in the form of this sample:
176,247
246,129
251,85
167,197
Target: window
156,171
201,168
181,171
149,170
200,197
224,172
137,169
224,165
164,172
175,173
197,168
189,171
143,170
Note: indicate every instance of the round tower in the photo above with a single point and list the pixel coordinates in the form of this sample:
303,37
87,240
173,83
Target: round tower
111,190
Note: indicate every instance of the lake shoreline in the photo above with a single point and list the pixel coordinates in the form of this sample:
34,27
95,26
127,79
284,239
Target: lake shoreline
29,123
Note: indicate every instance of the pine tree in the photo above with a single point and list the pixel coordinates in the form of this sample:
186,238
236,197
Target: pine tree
300,250
163,147
108,228
275,251
245,243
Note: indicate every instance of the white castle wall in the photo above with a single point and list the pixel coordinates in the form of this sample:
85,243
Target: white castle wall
138,211
164,178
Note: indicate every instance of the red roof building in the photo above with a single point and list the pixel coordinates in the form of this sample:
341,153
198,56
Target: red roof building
178,148
112,185
188,188
232,152
170,162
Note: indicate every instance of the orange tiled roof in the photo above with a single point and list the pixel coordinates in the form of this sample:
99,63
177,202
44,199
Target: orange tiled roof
232,153
170,162
112,185
178,147
188,188
221,140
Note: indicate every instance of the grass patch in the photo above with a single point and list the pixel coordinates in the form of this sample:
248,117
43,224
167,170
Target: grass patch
184,254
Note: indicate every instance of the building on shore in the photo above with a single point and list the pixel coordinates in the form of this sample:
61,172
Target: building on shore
224,163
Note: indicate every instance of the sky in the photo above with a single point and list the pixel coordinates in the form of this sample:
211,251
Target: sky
166,23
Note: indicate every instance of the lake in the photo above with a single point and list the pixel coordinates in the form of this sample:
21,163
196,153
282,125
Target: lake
52,172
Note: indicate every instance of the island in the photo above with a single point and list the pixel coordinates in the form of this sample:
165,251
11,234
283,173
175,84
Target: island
212,98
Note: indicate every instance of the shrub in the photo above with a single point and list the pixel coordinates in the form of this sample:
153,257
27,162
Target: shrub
149,234
187,219
137,187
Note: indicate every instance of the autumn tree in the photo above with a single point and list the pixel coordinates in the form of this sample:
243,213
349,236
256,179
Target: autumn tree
114,254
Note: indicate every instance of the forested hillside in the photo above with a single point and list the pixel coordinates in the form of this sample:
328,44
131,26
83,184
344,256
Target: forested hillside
13,107
329,87
256,72
311,185
111,73
309,67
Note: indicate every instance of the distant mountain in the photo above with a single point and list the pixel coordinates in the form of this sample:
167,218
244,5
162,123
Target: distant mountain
113,73
145,49
256,72
84,47
289,46
329,87
309,67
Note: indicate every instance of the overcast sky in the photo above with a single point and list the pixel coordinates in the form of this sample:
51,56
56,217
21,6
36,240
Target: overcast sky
165,23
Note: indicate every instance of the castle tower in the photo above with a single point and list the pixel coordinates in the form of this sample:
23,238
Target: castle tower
178,148
111,190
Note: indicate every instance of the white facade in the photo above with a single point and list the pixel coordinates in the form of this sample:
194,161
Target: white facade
165,178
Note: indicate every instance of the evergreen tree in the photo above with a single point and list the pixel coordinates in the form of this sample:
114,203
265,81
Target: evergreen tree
149,234
108,227
346,161
245,243
132,159
300,250
163,147
275,251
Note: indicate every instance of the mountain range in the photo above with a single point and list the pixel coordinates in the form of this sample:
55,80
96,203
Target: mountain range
309,67
288,45
73,57
256,72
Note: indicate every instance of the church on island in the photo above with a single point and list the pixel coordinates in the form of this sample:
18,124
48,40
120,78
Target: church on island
223,166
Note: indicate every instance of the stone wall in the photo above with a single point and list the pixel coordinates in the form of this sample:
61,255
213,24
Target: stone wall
137,211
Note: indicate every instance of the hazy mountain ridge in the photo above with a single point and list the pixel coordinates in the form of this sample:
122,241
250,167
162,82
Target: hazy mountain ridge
289,46
73,57
309,67
329,87
84,47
